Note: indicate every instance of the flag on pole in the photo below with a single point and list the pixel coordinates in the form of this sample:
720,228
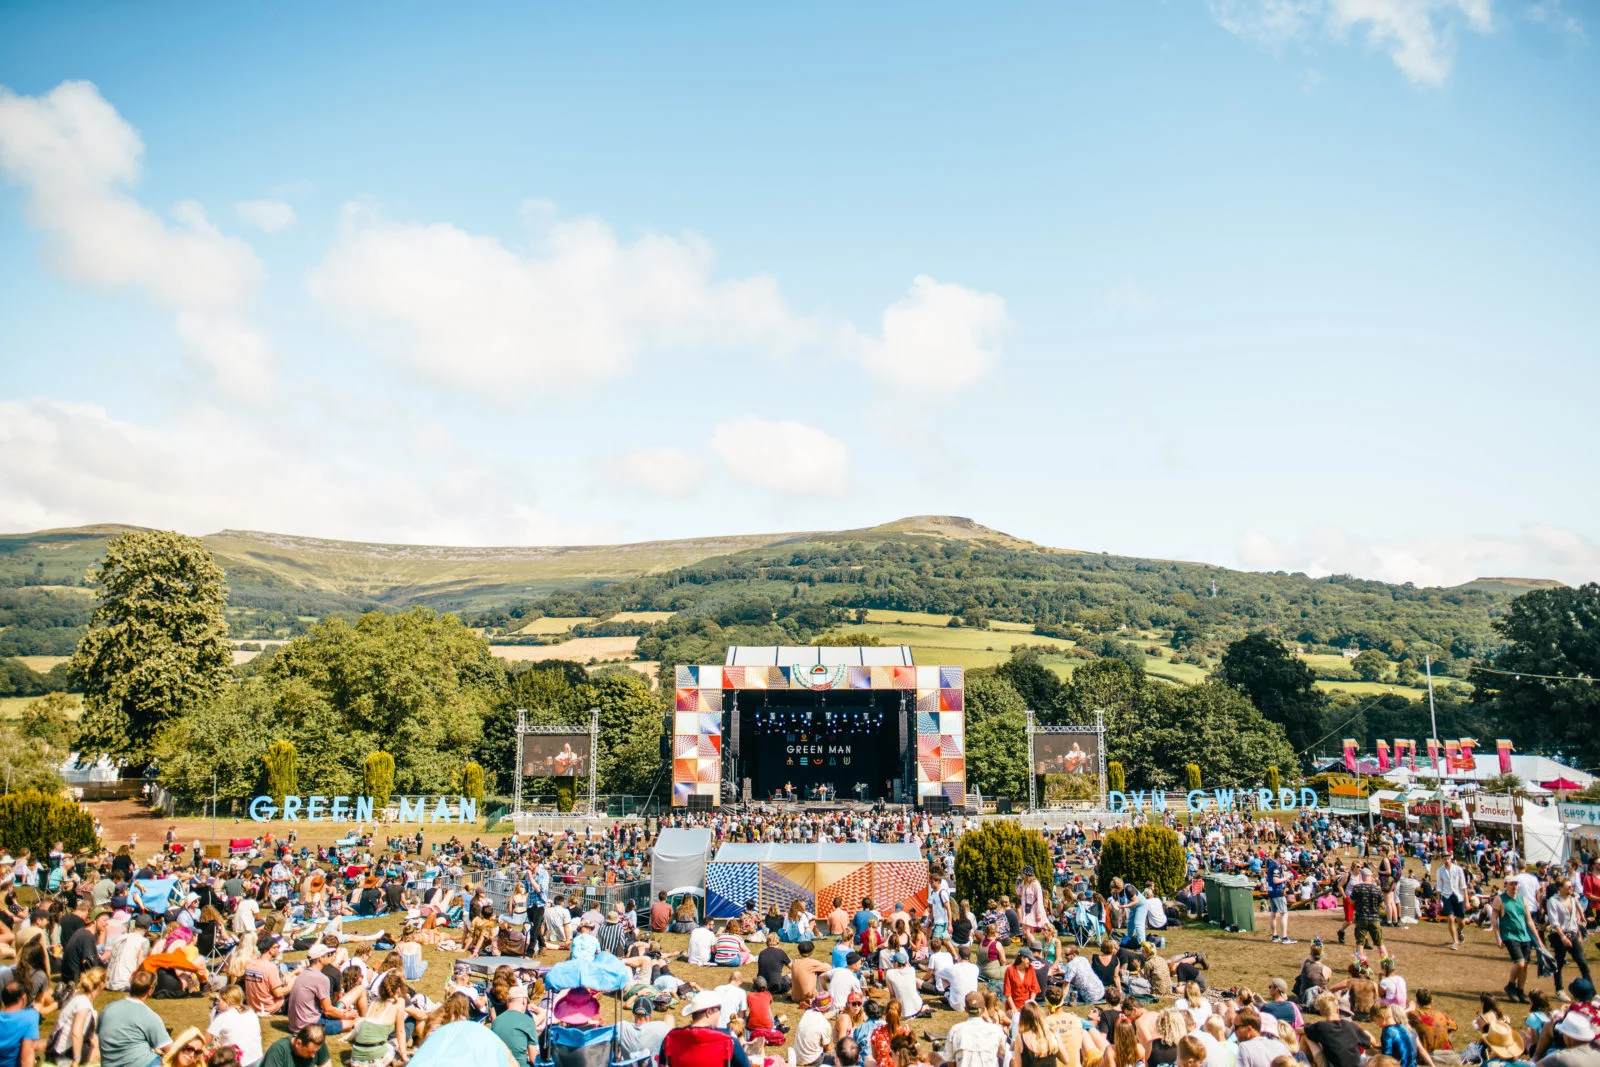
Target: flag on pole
1350,755
1452,757
1468,763
1409,748
1503,747
1383,756
1433,754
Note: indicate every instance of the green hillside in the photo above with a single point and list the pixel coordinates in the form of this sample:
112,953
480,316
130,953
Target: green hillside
699,592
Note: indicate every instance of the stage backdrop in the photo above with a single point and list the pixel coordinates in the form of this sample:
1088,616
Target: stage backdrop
555,755
777,874
697,723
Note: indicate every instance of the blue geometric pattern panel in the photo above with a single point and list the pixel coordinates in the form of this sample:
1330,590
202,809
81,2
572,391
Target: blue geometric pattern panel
728,886
776,889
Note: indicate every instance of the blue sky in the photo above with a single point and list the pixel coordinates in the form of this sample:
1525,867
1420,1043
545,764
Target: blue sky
1299,284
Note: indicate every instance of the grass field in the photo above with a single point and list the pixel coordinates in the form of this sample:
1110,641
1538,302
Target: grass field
581,649
642,616
42,664
550,624
11,707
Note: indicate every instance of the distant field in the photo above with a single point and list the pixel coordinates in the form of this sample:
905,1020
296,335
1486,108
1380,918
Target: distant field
550,624
581,649
642,616
1368,689
42,664
11,707
922,618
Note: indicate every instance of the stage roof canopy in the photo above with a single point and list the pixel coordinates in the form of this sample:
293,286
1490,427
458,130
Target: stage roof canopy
828,656
838,852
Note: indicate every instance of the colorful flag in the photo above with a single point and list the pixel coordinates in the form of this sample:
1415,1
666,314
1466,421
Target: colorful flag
1409,749
1350,756
1503,747
1433,753
1383,756
1468,763
1452,757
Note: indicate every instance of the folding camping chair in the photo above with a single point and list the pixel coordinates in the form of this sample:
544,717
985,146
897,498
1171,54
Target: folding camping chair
573,1046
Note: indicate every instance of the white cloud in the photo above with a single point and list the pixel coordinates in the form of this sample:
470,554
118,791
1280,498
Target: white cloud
1553,14
1537,552
940,337
75,155
666,471
1415,34
782,455
467,310
583,306
268,216
1127,296
66,464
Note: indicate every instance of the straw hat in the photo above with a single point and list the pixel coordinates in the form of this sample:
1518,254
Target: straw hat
1501,1042
191,1034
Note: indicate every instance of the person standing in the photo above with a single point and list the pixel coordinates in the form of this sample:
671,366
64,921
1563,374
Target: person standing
1278,899
1368,901
1450,880
1516,935
1564,914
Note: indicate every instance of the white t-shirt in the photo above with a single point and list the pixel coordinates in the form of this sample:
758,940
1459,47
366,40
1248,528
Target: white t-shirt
240,1027
244,916
841,983
1528,891
975,1043
812,1036
734,1000
939,965
903,986
700,941
61,1038
939,904
962,978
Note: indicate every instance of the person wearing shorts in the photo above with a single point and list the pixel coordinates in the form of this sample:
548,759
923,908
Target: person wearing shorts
1278,899
1519,937
1451,882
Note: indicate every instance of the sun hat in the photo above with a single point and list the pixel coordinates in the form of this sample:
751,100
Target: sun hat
705,1000
317,951
1577,1026
1501,1042
516,992
188,1035
578,1008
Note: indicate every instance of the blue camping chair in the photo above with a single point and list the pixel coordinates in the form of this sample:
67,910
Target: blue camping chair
572,1046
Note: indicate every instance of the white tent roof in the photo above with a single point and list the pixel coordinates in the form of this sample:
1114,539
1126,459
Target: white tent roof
809,655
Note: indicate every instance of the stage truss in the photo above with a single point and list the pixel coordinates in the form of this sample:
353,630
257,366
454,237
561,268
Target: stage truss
1097,728
594,755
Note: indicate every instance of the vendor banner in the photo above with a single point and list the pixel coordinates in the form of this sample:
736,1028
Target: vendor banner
1502,748
1437,809
1583,814
1466,762
1495,809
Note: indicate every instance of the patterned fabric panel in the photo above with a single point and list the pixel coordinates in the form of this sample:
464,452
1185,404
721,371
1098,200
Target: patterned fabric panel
686,770
710,676
728,886
711,701
952,770
733,677
950,678
904,677
687,699
927,677
709,747
930,768
711,723
927,744
950,745
927,700
680,791
900,883
926,723
956,791
860,677
685,745
951,700
850,889
688,678
776,889
686,722
710,771
952,723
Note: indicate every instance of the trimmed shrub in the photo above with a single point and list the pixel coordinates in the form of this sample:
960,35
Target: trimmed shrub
1142,854
989,861
1274,780
566,792
1191,776
282,780
1116,780
377,778
472,782
35,821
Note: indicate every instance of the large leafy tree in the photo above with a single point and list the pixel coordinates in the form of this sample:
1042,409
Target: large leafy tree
1281,686
630,730
997,735
1552,632
1037,684
157,644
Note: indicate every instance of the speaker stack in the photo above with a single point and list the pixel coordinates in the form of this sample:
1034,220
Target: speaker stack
701,802
934,805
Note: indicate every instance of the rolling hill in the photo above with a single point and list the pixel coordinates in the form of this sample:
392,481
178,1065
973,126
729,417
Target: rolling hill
943,565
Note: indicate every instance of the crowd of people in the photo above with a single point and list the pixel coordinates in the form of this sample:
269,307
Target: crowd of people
1055,973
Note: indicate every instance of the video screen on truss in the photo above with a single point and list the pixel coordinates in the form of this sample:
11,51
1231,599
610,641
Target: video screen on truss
555,755
1067,753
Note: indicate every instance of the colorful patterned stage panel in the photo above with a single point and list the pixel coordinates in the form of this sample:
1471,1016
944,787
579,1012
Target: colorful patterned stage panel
779,874
940,709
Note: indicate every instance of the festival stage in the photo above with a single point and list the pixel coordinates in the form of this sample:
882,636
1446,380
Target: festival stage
823,727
